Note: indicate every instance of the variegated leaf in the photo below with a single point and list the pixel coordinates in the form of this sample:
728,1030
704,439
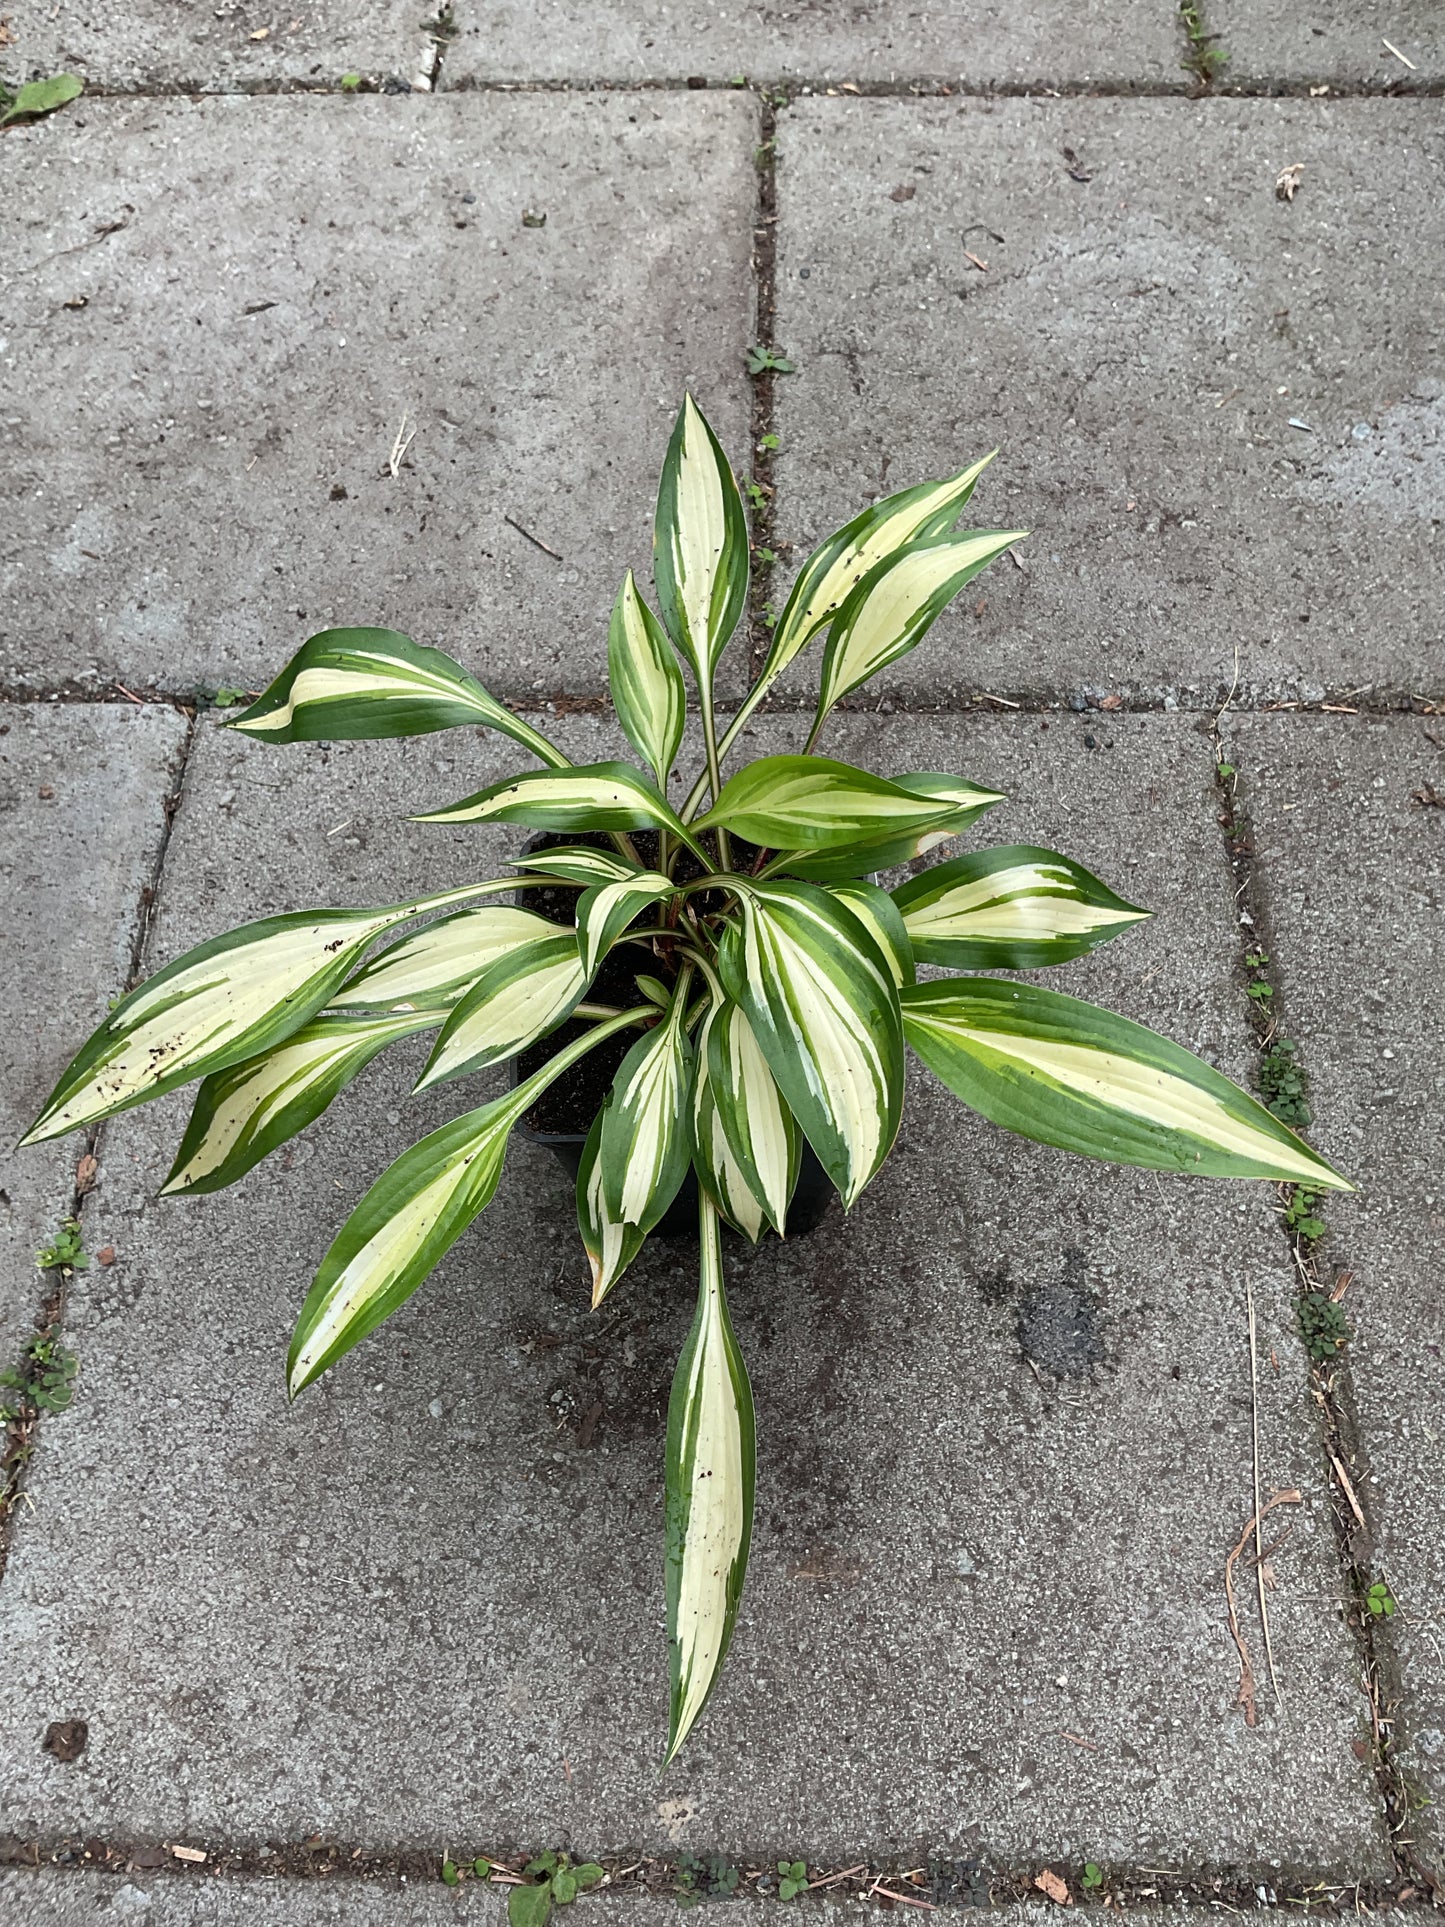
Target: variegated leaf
1067,1073
242,1114
610,1245
762,1134
518,998
811,802
593,796
1014,908
579,863
700,544
718,1171
881,918
646,1123
646,683
411,1217
824,1008
348,684
222,1002
837,566
966,804
605,911
892,609
711,1464
432,967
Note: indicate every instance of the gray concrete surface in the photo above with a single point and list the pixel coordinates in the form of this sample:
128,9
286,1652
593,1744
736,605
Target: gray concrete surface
196,466
71,1898
180,46
1355,875
1138,345
82,790
1330,43
414,1609
1102,43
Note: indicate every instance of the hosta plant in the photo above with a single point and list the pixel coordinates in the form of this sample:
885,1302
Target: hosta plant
769,986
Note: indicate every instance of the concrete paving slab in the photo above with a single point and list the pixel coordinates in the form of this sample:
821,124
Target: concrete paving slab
198,459
1353,870
71,1898
1103,43
82,795
157,46
1004,1412
1149,323
1330,42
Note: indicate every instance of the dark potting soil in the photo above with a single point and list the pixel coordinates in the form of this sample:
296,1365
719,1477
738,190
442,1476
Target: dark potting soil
567,1108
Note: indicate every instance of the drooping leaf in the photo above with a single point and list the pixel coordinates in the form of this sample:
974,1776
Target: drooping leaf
646,683
967,802
605,911
226,1000
838,565
1013,908
893,607
711,1155
823,1006
1067,1073
593,796
881,918
610,1245
646,1123
578,863
38,97
411,1217
350,685
811,802
700,544
242,1114
517,998
761,1133
435,965
711,1467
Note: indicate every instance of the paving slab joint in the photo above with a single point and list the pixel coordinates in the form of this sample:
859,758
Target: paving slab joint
1204,57
21,1435
760,486
940,1885
1283,1084
442,31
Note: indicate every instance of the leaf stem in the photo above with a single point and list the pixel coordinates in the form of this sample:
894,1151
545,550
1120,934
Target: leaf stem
714,766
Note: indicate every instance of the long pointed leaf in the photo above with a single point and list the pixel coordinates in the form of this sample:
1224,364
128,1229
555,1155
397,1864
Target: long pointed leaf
895,606
700,544
224,1001
838,565
436,965
711,1471
605,911
812,802
593,796
519,997
610,1245
1013,908
242,1114
578,863
967,802
823,1005
411,1217
646,1123
761,1133
646,683
1067,1073
346,685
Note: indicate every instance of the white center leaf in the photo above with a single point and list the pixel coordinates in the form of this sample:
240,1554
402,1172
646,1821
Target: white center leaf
645,1136
605,911
518,998
700,544
1014,908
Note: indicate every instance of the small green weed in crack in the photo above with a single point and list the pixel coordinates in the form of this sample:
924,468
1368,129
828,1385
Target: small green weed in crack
1092,1878
1300,1217
1204,59
44,1378
792,1878
757,496
714,1878
233,698
350,83
1282,1084
767,361
453,1874
1380,1602
1323,1327
66,1251
553,1882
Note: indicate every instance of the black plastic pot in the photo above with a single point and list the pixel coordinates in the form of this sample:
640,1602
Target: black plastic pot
810,1196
